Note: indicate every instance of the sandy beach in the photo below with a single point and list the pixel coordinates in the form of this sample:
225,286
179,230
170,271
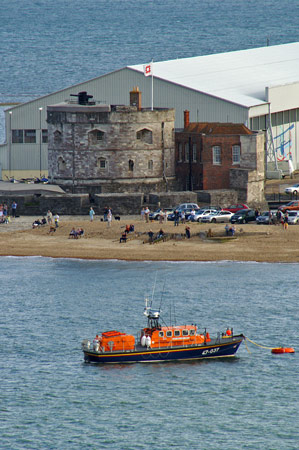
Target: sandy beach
263,243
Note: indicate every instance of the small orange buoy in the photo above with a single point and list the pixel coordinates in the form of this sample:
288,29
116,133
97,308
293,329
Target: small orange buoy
280,350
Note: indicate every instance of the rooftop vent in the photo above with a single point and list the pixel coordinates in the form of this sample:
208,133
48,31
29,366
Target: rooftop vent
83,98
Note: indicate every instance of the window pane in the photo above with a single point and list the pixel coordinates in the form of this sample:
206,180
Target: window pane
286,117
186,152
44,136
216,155
180,152
29,136
293,115
194,153
255,123
236,154
17,136
279,118
273,119
262,122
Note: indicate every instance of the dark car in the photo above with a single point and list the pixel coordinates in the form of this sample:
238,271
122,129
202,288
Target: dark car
243,216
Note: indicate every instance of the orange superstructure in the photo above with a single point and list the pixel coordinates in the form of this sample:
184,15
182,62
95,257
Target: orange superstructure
172,336
114,341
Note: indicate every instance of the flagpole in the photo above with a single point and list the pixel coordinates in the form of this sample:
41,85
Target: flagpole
152,85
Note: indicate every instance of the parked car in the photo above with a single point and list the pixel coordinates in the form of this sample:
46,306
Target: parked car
291,206
263,218
186,206
292,189
203,212
218,216
236,208
293,217
243,216
156,214
187,210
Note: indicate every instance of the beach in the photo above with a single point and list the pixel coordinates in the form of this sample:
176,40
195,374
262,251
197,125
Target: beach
262,243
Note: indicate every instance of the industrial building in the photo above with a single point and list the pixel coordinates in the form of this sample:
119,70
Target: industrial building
257,87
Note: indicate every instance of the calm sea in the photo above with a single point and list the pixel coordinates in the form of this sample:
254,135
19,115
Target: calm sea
48,45
51,399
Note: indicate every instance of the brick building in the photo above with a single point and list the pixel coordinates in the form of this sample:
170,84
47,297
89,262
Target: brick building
218,156
98,148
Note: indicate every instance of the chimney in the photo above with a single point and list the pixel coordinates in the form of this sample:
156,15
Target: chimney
135,97
186,118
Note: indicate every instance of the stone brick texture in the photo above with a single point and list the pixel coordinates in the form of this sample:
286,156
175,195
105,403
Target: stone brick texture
81,152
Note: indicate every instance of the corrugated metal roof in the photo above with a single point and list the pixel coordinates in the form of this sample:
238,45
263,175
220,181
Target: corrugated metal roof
218,128
239,77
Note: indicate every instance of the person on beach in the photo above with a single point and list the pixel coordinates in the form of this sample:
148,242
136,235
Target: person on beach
91,213
176,218
14,209
286,221
109,218
187,231
49,217
146,214
56,220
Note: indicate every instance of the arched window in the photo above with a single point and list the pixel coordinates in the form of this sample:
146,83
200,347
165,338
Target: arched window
145,135
61,164
95,137
57,137
150,164
131,165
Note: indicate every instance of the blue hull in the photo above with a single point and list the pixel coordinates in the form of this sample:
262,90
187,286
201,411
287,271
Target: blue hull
211,350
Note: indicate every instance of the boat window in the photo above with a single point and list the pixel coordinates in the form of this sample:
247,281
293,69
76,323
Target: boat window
168,333
177,332
192,332
161,333
185,332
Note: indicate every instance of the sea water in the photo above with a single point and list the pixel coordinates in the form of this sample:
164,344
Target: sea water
51,399
49,45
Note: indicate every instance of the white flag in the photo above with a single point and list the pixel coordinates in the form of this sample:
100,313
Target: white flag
148,69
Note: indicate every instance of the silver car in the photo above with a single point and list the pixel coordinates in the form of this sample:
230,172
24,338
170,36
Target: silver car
292,189
202,213
217,217
293,217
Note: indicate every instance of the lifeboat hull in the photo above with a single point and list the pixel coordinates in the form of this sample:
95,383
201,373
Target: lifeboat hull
217,348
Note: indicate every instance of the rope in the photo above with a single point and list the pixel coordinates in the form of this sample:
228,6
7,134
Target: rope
258,345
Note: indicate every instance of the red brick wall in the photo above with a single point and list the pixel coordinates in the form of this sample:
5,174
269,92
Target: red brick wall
217,176
205,174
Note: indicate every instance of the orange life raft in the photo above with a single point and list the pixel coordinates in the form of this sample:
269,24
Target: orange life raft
280,350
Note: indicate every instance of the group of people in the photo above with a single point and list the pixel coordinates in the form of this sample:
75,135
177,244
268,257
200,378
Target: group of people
127,230
76,233
145,212
107,215
4,212
230,230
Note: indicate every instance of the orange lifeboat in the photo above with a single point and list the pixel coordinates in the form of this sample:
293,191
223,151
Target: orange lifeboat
280,350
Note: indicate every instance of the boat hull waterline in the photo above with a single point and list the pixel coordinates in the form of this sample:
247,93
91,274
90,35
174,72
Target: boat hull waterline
226,347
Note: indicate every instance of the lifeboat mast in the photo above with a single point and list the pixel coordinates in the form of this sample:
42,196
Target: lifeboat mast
152,316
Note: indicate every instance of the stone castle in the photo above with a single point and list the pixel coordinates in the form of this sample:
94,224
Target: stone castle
96,148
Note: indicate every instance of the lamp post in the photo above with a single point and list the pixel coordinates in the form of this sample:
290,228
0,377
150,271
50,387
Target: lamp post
40,142
9,146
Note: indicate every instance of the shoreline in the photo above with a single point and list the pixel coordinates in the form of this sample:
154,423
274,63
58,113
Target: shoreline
253,243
